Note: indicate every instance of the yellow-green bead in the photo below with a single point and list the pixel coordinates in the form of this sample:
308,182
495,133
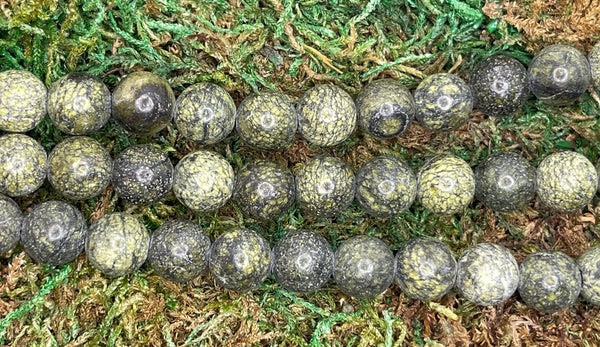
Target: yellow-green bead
11,218
22,101
23,165
589,263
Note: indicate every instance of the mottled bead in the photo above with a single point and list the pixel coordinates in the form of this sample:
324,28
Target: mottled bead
550,281
443,102
385,186
594,60
22,101
487,274
79,104
559,74
446,184
53,232
143,103
142,174
363,267
385,108
302,261
23,165
11,218
179,250
203,181
326,115
264,189
325,186
79,168
267,120
566,181
499,85
425,269
504,181
240,259
204,113
117,244
589,263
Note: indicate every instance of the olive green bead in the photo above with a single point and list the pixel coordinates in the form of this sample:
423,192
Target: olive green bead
267,120
23,165
22,101
204,113
11,218
594,60
79,168
79,104
589,263
566,181
446,184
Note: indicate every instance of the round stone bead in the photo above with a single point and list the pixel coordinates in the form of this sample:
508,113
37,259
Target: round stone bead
143,103
267,120
53,232
179,250
499,85
264,189
240,259
487,274
325,186
385,108
203,181
79,104
302,261
550,281
11,218
22,101
326,115
443,102
363,267
504,181
142,174
425,269
23,165
117,244
205,113
385,186
446,184
589,263
559,74
594,60
79,168
566,181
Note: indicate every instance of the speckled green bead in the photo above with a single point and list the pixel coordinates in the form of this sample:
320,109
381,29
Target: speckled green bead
179,250
11,218
589,263
117,244
79,104
302,261
204,113
445,184
566,181
326,115
143,103
385,186
559,74
385,108
264,189
267,120
550,281
443,102
425,269
240,259
79,168
53,232
203,181
487,274
363,267
23,165
142,174
499,85
22,101
504,181
325,186
594,60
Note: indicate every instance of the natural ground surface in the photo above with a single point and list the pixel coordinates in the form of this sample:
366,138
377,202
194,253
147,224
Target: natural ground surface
248,45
